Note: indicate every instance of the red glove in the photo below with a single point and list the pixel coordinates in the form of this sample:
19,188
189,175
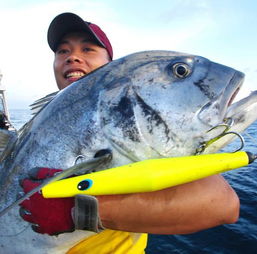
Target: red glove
50,216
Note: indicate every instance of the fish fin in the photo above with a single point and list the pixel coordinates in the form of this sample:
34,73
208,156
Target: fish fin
36,106
6,137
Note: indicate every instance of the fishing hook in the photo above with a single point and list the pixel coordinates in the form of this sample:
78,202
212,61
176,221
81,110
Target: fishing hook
239,136
79,157
228,124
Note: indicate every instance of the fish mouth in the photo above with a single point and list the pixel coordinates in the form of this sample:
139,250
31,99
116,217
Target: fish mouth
214,112
233,96
231,91
243,105
239,116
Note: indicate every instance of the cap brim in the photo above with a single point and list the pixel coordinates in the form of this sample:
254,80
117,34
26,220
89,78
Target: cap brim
64,24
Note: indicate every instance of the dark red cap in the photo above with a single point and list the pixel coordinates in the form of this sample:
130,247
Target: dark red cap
68,22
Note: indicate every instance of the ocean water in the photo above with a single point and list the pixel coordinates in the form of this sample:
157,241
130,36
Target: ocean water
238,238
19,117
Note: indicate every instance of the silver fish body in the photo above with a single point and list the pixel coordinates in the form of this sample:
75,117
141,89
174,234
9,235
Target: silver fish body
146,105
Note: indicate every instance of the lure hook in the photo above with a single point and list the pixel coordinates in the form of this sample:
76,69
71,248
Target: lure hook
228,123
79,157
239,136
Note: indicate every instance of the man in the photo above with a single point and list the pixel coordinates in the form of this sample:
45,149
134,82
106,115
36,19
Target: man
81,47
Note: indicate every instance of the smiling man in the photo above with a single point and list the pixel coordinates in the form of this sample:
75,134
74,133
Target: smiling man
80,48
75,56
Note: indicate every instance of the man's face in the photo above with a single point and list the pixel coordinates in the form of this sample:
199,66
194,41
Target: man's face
76,56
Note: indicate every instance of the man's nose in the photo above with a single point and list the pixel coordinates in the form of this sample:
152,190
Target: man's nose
73,58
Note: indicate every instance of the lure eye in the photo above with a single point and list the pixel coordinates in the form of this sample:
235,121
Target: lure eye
84,185
181,70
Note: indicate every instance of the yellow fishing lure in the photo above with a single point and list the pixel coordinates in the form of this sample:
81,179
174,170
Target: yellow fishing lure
148,175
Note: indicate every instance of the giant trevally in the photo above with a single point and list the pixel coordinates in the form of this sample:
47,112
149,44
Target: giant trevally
146,105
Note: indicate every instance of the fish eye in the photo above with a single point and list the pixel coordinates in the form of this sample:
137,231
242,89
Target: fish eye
181,70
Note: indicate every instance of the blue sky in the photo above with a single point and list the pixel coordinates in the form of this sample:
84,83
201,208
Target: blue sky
222,30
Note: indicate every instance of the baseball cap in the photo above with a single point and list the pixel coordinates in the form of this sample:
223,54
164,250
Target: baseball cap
69,22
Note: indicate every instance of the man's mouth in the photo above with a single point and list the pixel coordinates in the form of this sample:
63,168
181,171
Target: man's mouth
75,75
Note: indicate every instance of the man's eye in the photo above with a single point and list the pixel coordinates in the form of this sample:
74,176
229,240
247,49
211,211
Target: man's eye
62,51
87,49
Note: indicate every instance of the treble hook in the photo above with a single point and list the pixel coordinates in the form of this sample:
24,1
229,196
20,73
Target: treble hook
239,136
228,124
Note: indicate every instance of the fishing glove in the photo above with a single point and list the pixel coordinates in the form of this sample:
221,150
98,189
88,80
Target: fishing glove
54,216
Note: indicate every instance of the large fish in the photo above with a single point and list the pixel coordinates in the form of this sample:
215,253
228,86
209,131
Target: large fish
146,105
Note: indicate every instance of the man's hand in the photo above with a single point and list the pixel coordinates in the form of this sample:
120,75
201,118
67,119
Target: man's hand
49,216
